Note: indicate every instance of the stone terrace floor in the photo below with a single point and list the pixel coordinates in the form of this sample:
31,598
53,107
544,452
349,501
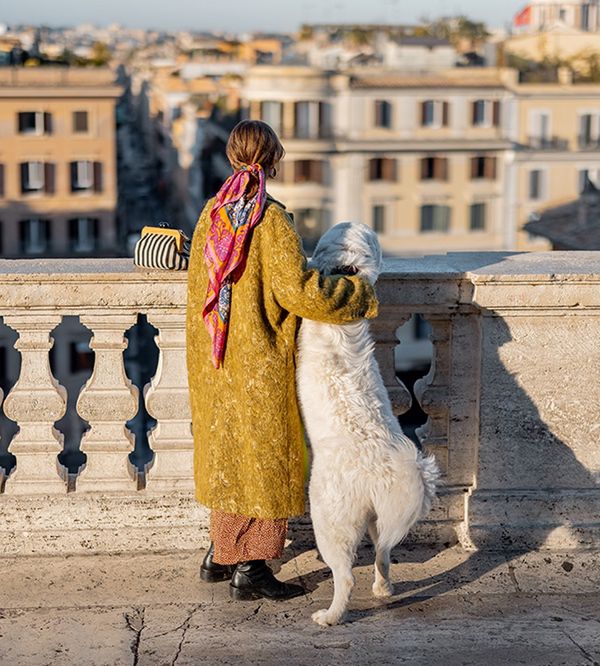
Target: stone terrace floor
450,607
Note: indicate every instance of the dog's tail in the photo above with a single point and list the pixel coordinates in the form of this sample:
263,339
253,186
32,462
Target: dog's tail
430,473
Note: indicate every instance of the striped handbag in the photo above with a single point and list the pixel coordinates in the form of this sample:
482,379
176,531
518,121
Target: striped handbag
162,247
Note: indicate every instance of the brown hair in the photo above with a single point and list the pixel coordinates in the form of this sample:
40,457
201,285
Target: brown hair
254,142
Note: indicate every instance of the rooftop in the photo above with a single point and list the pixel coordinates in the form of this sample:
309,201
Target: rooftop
57,81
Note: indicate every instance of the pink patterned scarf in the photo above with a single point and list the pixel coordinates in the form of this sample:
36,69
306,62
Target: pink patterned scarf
232,218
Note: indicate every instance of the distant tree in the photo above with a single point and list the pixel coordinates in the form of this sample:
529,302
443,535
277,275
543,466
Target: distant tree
588,66
101,54
306,33
359,37
422,31
457,30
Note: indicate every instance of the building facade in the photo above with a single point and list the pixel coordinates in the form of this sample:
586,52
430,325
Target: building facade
555,132
420,158
541,15
58,186
453,161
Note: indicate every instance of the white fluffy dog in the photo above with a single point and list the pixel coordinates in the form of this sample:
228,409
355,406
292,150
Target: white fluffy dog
366,474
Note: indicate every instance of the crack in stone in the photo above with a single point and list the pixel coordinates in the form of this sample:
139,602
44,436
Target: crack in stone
197,607
185,625
254,613
135,622
513,577
584,652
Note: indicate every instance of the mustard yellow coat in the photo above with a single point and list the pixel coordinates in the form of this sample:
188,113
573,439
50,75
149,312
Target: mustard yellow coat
248,437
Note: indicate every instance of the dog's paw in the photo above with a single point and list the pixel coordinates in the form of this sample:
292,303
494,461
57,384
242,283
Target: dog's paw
383,588
325,618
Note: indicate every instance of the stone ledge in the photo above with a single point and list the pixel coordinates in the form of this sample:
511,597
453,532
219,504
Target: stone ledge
152,522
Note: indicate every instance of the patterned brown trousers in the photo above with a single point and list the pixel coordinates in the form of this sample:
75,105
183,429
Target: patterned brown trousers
239,538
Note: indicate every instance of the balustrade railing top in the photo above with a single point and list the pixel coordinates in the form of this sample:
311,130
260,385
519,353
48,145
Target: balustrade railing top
511,400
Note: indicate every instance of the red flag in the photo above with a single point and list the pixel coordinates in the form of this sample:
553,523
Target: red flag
523,17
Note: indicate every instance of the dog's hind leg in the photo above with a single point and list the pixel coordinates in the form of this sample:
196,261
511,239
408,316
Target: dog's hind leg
338,553
382,586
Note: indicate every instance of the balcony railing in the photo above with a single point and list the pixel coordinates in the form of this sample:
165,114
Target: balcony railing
547,143
588,142
511,401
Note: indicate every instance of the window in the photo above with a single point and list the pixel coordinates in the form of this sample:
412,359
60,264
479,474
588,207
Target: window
308,171
477,217
83,234
584,174
585,127
34,122
309,120
585,17
80,121
434,168
379,219
485,113
589,130
37,177
382,168
540,127
34,236
85,176
536,184
383,113
434,113
483,166
272,113
32,176
435,218
479,112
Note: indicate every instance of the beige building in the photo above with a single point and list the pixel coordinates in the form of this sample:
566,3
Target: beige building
538,15
420,158
555,129
453,161
58,185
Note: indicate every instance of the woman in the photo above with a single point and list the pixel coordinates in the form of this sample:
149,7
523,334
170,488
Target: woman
248,287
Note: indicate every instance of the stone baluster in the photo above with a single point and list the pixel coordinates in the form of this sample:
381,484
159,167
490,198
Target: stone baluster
35,402
167,400
432,392
384,329
107,401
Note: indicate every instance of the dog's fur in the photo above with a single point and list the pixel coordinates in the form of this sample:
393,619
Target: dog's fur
366,474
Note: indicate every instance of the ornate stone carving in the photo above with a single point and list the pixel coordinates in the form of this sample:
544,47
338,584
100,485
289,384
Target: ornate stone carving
384,329
167,400
35,402
432,393
107,401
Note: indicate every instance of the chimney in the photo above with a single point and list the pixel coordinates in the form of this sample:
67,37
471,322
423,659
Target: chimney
565,76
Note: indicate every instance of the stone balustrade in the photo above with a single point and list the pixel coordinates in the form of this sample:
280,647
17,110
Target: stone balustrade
512,400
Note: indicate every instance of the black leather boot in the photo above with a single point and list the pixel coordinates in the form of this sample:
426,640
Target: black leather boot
254,580
211,572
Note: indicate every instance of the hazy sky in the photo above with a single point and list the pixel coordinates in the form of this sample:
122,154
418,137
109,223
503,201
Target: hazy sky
238,15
